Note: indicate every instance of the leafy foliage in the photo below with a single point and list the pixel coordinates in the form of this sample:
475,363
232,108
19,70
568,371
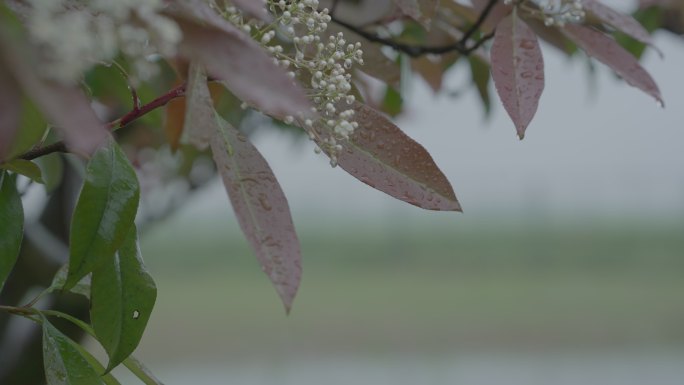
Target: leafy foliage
219,65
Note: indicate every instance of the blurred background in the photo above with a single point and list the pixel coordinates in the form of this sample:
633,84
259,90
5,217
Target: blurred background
566,267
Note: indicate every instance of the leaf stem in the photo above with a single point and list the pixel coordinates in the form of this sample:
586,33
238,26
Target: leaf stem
134,114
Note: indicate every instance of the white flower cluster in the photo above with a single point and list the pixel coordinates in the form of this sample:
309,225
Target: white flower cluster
321,62
76,34
555,12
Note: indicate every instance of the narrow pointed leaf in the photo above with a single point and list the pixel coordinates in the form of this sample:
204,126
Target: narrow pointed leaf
64,361
517,70
610,53
380,155
104,213
12,223
122,297
200,124
621,22
229,54
261,208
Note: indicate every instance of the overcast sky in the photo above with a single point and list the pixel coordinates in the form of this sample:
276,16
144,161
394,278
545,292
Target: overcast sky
596,146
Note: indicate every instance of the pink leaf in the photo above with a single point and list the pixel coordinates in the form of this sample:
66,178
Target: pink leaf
65,106
261,208
517,70
380,155
230,55
259,202
610,53
623,23
200,122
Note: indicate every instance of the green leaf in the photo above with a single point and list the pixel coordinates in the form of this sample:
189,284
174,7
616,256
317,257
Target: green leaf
104,213
122,297
64,361
12,222
25,168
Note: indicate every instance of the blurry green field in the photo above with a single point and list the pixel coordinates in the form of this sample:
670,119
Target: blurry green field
421,288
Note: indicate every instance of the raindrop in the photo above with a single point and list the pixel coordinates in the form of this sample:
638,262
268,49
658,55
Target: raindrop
265,204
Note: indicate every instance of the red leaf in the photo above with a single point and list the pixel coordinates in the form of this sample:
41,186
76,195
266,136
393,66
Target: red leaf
259,202
623,23
230,55
380,155
66,107
610,53
200,121
517,70
261,208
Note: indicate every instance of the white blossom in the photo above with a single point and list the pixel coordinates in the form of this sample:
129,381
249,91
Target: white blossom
74,35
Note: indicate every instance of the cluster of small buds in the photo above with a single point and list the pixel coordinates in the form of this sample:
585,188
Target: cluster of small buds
74,35
321,63
556,12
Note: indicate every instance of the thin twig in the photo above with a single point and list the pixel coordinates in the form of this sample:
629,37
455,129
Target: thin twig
412,50
133,115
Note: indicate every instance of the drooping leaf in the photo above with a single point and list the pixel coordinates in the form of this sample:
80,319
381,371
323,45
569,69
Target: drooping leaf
64,361
25,168
610,53
621,22
122,297
261,208
517,70
245,68
104,213
199,124
64,106
12,225
380,155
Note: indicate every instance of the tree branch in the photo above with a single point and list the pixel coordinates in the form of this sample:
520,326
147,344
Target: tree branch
412,50
130,117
